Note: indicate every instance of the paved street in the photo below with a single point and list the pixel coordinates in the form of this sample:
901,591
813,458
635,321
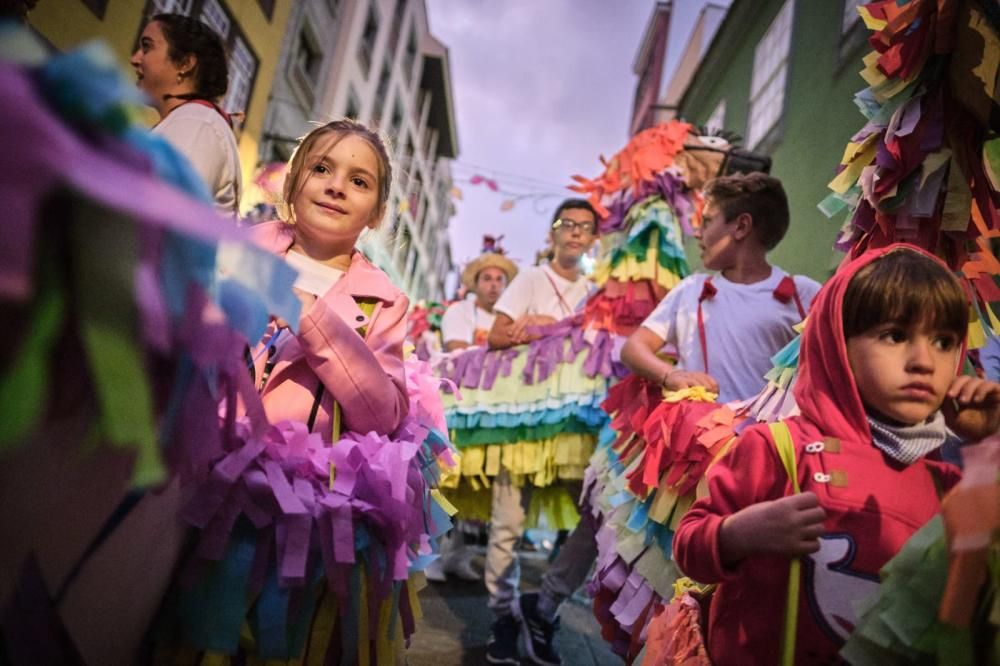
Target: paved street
456,624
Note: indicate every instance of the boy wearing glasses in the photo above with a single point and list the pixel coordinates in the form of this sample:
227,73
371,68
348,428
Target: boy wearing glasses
727,326
537,296
545,294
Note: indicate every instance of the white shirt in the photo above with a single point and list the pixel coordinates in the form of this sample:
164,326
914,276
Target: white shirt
539,290
466,322
201,134
314,278
745,325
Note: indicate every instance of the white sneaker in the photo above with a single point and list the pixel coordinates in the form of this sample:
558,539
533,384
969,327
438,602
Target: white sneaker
435,571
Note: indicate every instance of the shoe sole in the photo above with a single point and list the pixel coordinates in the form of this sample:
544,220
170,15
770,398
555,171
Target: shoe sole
506,662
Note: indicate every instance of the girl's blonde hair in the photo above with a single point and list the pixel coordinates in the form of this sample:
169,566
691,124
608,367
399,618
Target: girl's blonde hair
294,180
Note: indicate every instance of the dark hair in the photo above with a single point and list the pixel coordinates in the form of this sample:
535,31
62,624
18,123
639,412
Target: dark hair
757,194
905,287
187,36
571,204
339,129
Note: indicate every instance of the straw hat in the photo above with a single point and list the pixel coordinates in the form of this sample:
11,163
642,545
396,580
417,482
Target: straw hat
492,257
488,260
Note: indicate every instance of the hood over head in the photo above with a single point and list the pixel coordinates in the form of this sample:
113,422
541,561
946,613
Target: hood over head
825,389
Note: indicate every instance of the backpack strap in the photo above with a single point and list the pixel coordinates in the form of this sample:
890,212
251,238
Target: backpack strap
782,438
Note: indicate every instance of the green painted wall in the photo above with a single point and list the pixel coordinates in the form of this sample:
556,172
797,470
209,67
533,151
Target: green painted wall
818,120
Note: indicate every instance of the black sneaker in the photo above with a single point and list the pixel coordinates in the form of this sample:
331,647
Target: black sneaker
537,633
502,648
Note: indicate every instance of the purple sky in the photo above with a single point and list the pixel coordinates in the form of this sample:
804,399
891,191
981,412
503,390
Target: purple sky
541,89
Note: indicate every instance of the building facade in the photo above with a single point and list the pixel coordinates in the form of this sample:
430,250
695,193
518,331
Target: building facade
783,73
251,29
377,61
649,68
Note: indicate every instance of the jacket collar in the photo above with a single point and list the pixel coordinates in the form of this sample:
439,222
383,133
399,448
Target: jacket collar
362,279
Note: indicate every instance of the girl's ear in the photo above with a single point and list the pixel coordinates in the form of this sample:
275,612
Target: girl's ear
188,64
377,217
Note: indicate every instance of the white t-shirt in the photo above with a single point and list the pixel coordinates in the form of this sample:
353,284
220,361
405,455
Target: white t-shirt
314,278
539,290
201,134
745,325
466,322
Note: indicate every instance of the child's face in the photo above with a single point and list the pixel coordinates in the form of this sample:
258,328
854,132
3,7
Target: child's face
903,373
716,239
573,234
338,195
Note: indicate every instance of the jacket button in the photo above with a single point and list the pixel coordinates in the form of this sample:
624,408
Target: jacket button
360,318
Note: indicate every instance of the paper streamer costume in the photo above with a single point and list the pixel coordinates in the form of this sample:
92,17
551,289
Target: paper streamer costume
534,410
921,170
129,306
120,337
650,196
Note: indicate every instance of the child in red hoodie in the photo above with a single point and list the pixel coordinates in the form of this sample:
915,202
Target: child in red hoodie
877,388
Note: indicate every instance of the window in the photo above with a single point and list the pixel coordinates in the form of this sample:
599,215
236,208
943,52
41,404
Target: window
410,55
850,14
353,109
308,57
242,69
215,16
383,87
367,48
852,37
717,121
397,120
397,21
770,70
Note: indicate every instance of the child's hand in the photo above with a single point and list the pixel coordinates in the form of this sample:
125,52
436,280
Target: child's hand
972,408
675,380
790,526
519,333
307,301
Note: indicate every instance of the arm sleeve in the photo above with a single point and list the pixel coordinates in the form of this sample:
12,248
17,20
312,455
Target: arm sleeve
201,144
748,474
663,320
365,376
516,298
455,326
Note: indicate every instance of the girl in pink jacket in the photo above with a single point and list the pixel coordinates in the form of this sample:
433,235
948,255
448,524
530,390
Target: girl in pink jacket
342,367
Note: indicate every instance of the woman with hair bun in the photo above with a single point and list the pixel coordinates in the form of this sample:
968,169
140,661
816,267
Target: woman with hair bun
181,64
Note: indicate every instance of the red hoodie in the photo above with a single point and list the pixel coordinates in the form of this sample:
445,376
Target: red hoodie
873,506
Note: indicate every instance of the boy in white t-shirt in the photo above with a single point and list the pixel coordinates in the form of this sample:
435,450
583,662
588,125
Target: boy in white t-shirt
537,296
545,294
726,327
468,322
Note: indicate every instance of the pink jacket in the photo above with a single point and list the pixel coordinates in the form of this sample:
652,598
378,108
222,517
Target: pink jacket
365,375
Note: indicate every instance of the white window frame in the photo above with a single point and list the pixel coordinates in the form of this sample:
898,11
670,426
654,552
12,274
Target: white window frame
216,17
770,74
851,15
242,68
717,119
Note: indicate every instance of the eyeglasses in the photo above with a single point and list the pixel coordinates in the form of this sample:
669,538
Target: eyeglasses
573,225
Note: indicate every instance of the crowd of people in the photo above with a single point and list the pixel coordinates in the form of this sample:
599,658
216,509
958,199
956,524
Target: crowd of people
885,392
